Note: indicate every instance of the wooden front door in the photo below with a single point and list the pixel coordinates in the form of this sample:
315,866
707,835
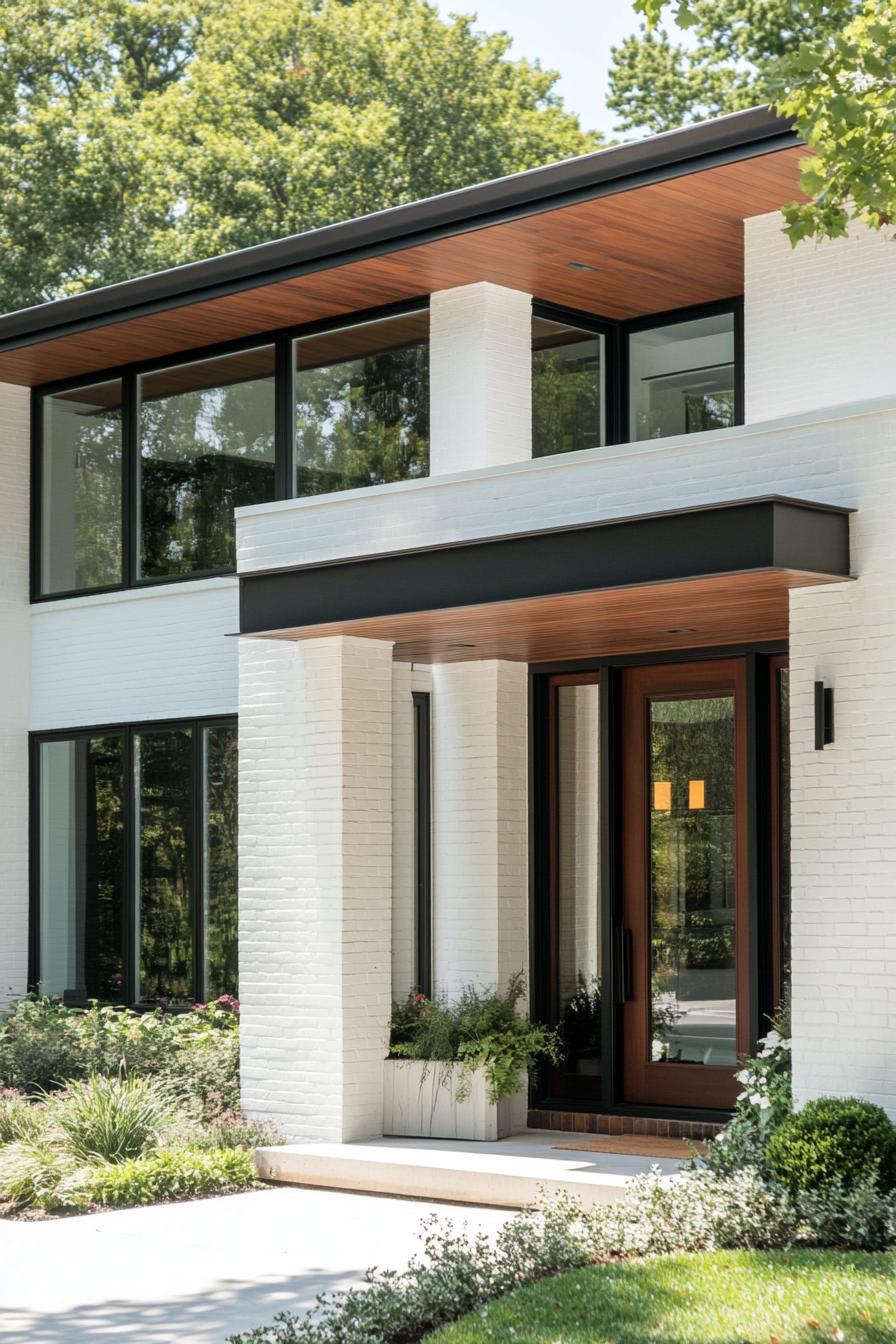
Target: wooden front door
684,883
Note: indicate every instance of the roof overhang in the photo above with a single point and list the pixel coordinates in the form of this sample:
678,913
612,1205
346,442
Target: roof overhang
706,576
659,220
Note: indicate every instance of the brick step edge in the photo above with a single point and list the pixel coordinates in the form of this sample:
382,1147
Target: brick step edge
581,1122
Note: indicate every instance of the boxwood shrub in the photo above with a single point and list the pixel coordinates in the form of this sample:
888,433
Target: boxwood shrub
834,1140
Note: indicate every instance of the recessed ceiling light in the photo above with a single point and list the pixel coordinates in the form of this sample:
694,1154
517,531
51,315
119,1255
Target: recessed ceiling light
679,630
580,266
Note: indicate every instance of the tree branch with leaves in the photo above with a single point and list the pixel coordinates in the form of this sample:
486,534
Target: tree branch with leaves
831,67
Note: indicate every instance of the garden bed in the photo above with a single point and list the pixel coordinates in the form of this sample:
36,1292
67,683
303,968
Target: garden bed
108,1108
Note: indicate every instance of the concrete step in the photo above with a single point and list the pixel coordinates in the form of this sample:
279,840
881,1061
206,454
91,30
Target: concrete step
510,1173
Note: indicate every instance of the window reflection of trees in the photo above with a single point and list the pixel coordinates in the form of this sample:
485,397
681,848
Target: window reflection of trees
363,421
202,454
692,854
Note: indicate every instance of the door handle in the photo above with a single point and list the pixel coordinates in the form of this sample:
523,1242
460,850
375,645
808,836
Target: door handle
626,970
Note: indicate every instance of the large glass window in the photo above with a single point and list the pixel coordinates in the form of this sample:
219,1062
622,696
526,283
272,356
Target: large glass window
206,448
131,825
362,404
81,495
81,868
682,377
568,388
163,768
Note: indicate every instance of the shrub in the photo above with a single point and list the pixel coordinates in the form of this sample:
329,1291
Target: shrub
31,1173
111,1119
762,1107
834,1140
19,1119
39,1046
481,1030
175,1174
231,1130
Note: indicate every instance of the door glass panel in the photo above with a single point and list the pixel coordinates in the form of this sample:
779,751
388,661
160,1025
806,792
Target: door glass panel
578,989
692,881
219,838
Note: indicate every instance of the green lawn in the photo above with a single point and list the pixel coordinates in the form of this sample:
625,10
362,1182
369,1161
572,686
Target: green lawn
730,1297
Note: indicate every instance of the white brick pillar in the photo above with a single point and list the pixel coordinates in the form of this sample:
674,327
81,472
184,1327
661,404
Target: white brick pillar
480,359
480,823
15,689
315,822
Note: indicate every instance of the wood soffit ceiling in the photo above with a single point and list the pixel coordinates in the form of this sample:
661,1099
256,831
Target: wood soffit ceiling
747,608
665,245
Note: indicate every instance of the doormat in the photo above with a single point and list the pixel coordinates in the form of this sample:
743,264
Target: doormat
636,1145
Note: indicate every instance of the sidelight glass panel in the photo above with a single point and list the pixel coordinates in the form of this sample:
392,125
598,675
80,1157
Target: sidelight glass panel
219,756
362,404
81,868
577,879
163,766
206,448
80,480
692,881
568,398
681,377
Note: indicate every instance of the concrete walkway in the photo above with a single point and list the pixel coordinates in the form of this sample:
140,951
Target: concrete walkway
194,1273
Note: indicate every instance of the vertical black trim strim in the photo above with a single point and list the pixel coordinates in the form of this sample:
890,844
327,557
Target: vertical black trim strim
33,864
423,839
131,556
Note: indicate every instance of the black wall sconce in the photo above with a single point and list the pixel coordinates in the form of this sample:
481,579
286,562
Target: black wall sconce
824,716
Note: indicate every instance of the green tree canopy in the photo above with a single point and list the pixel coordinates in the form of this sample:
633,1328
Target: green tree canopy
828,64
138,134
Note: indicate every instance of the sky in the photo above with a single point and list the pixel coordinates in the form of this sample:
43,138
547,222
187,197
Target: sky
572,36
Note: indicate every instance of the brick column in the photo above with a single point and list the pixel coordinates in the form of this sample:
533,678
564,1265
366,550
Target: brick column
315,799
480,345
480,826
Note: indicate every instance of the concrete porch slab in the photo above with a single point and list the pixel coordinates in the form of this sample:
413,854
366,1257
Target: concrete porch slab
510,1173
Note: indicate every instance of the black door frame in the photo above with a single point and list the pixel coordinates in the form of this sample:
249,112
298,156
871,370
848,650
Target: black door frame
760,878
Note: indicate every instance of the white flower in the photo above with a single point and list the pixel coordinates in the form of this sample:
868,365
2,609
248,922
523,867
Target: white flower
764,1103
756,1099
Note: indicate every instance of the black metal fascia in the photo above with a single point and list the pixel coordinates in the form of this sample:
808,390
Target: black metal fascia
605,172
728,538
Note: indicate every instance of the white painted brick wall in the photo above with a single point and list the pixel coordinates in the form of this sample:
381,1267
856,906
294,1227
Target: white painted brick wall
480,843
154,653
315,883
817,319
480,357
14,689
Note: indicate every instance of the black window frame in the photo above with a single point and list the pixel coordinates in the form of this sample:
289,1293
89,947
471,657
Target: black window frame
422,701
617,335
615,332
127,731
281,338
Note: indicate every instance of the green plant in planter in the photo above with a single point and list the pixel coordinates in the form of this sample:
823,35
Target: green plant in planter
580,1026
481,1030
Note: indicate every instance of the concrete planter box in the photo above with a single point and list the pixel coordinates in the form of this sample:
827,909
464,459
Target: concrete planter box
419,1102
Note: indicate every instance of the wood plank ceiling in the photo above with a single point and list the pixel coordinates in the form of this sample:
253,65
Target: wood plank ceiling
653,248
743,608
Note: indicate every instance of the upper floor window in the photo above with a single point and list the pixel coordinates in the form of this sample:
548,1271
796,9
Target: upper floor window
362,404
568,388
137,477
206,448
682,377
80,473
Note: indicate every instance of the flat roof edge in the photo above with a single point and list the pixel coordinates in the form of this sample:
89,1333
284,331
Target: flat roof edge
736,136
